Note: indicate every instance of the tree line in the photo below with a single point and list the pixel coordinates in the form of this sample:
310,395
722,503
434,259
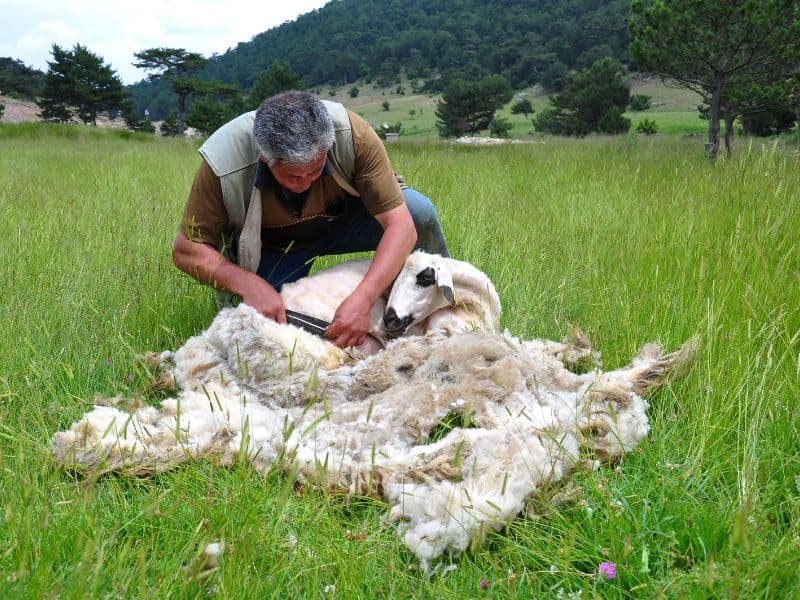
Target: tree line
741,56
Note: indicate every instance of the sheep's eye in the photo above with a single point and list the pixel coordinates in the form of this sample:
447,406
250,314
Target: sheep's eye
426,277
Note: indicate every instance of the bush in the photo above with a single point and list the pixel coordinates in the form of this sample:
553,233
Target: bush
354,91
385,128
2,109
639,102
500,127
169,126
647,127
613,122
769,122
385,105
560,122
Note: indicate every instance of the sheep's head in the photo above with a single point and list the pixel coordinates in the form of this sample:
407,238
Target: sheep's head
423,286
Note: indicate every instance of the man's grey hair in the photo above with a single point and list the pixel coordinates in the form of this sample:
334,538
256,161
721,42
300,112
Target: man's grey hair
292,128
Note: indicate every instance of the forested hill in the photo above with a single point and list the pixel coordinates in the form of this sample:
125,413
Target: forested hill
526,41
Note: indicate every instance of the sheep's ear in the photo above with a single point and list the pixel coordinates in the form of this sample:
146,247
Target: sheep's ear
444,279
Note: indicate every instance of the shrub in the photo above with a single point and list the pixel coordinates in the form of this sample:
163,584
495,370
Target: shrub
385,105
385,128
169,126
2,109
647,127
614,122
500,127
354,91
639,102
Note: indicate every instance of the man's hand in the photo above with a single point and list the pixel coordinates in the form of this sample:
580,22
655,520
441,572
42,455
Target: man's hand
265,300
351,321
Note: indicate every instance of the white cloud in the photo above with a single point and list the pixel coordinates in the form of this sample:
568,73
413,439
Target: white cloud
114,29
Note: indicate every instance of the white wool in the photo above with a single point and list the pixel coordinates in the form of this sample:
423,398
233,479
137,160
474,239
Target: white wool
364,427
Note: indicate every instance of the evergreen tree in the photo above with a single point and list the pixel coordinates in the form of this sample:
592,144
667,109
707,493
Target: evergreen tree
469,107
78,84
278,78
721,49
523,107
20,80
176,66
592,100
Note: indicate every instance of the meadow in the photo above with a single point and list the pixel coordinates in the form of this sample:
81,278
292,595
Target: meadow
634,239
674,110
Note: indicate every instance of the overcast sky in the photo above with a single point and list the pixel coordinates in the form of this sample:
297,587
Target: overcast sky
114,30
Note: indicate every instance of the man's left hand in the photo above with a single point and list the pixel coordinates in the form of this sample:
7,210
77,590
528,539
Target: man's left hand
351,321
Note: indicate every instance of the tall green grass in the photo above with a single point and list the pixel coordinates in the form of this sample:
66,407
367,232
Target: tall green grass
633,239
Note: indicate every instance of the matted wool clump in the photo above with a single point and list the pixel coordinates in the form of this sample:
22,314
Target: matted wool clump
250,387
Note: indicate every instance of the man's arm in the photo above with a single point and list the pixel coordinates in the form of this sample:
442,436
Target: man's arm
206,264
351,321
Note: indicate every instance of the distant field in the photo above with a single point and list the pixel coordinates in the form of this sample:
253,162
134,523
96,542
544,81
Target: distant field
674,110
634,239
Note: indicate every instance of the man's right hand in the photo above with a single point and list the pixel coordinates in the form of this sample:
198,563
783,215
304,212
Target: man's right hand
205,264
266,300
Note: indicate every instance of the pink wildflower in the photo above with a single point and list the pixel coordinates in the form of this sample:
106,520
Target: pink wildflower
608,570
484,584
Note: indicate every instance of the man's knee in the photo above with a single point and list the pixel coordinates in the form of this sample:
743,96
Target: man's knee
430,236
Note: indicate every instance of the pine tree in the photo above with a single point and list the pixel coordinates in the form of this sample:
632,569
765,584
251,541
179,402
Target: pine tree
79,84
176,66
725,50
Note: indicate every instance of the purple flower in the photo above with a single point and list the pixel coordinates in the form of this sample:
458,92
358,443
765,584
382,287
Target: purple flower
484,584
608,570
109,362
131,377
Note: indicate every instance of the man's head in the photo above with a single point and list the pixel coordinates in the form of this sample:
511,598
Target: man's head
293,129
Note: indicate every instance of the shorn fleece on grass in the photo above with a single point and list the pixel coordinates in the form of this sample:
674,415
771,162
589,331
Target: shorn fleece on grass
519,419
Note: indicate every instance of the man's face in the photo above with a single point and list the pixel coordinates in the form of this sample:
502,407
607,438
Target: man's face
298,178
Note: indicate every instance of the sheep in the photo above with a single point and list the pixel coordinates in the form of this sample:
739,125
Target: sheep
436,293
365,427
463,298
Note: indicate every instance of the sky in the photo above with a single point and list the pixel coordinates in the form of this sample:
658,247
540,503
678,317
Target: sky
114,30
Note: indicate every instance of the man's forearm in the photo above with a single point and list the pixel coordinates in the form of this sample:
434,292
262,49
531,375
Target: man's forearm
207,265
390,255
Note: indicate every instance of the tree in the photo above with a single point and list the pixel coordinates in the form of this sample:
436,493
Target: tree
278,78
78,84
175,65
592,100
2,109
469,107
716,47
523,107
639,102
19,80
217,105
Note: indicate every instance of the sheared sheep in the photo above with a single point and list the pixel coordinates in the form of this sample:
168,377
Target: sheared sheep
431,293
367,427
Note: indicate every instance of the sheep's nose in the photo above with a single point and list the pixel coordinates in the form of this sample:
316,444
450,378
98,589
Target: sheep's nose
393,323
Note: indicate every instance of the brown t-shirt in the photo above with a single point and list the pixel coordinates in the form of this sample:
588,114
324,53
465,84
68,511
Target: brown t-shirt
206,220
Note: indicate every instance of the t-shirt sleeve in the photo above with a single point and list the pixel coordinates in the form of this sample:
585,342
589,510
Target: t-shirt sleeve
375,179
204,217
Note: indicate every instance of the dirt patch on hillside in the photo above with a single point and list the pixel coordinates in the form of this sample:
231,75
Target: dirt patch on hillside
18,111
25,111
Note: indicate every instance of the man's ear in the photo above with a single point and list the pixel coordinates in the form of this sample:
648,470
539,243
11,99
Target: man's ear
444,279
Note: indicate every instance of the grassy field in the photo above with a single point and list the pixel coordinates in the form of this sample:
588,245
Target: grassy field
633,239
674,110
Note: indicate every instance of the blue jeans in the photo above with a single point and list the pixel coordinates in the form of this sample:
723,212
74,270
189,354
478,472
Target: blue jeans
356,231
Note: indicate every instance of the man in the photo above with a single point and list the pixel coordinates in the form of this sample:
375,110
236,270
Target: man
298,179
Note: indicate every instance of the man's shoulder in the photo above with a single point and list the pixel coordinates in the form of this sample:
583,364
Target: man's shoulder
232,147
